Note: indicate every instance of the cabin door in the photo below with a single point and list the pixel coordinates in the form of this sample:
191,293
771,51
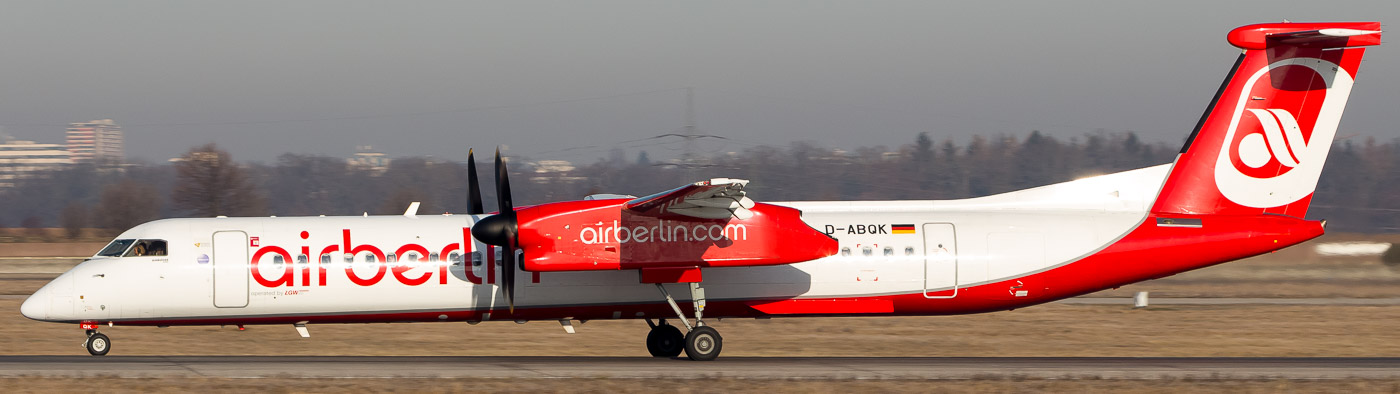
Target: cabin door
230,269
940,261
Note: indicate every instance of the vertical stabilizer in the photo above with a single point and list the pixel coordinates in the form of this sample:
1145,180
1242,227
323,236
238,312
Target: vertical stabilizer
1260,146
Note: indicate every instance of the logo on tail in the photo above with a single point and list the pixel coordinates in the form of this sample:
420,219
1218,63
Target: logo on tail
1277,159
1256,150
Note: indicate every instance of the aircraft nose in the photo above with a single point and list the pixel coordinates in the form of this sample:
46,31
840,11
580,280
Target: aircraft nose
36,306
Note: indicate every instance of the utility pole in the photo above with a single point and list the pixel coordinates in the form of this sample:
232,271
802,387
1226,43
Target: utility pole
689,158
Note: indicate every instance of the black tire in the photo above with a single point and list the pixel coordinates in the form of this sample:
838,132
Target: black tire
665,341
703,344
98,345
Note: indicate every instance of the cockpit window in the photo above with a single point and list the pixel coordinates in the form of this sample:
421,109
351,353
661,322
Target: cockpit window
116,248
147,247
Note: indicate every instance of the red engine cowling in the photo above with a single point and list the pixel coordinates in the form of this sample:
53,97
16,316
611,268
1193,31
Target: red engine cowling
602,235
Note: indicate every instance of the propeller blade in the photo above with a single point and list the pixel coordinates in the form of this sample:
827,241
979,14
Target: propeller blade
473,186
508,279
503,200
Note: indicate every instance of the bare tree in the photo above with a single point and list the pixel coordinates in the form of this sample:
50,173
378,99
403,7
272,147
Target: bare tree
33,226
126,204
208,183
73,218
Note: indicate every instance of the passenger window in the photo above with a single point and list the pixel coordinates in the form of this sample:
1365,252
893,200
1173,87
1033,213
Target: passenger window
369,258
391,258
476,258
908,250
302,259
277,259
326,259
867,251
889,251
433,257
846,251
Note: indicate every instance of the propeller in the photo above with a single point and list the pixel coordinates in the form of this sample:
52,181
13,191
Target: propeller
473,186
500,229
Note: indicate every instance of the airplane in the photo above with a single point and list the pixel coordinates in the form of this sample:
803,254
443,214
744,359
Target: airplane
1240,187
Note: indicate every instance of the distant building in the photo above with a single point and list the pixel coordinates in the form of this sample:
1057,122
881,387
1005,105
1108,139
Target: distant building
554,171
366,158
553,166
27,159
98,141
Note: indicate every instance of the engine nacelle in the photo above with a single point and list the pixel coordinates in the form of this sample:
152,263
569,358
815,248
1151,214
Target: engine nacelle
602,235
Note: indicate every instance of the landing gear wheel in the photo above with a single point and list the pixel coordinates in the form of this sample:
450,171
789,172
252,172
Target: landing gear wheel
703,344
98,344
665,340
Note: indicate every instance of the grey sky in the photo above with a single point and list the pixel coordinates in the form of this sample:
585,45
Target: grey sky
432,78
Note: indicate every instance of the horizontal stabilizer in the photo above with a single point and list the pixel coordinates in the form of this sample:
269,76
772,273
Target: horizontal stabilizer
1306,35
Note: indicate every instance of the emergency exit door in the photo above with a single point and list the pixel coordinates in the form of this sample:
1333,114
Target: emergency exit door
940,261
230,269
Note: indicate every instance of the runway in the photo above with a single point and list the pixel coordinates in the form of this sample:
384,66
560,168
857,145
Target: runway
1156,301
727,367
1234,301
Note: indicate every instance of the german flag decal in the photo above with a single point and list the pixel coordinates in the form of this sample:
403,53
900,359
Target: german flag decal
902,228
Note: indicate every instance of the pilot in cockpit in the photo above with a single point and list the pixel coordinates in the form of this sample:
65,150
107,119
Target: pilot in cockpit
156,248
148,247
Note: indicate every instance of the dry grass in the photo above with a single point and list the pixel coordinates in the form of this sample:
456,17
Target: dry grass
1047,330
20,235
722,385
1181,288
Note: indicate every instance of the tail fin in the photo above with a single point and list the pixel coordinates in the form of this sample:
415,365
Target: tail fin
1260,146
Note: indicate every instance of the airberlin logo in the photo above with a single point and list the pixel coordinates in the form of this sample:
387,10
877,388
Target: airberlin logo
1274,163
1282,140
662,231
413,264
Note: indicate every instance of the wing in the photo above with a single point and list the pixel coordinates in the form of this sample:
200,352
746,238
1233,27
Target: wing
719,198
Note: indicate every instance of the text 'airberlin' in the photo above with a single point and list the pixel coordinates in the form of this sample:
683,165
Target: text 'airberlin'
663,231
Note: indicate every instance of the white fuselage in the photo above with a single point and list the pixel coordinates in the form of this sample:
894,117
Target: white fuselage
205,278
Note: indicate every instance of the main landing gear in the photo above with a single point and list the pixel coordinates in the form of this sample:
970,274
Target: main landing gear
701,343
664,340
97,343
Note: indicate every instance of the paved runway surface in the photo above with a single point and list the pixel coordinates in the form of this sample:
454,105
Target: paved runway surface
1157,301
733,367
1233,301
